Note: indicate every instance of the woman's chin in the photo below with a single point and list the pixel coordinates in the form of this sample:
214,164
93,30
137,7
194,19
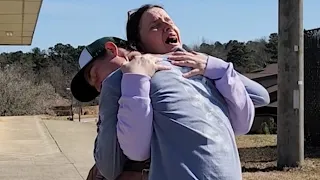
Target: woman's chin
171,47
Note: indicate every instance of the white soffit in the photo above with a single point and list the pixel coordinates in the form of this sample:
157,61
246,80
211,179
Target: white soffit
18,19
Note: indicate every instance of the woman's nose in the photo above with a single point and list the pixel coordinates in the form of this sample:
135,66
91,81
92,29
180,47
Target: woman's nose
167,27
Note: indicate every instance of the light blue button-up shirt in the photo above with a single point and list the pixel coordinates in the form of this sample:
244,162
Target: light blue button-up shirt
193,137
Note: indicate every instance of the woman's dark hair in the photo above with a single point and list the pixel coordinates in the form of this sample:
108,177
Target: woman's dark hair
132,28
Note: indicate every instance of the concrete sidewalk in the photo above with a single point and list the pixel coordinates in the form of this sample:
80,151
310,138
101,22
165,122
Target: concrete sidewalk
36,149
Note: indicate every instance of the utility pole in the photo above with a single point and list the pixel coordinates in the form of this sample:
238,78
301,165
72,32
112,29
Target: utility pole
290,124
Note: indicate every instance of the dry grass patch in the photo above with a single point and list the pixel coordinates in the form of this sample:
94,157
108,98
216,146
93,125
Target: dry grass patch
258,154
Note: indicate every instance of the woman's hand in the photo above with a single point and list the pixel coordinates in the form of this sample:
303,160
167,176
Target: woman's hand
146,65
195,60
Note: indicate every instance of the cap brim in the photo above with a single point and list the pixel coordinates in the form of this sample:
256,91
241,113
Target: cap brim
81,89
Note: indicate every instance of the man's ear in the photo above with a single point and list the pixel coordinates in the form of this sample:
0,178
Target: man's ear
111,47
93,75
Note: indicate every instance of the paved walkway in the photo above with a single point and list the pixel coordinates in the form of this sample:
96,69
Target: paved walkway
36,149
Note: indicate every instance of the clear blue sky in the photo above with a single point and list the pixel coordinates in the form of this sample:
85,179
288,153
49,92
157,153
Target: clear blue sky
78,22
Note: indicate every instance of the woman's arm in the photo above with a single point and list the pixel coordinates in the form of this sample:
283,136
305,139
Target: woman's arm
135,116
230,85
258,94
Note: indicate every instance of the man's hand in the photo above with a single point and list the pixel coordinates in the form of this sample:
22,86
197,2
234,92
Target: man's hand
144,65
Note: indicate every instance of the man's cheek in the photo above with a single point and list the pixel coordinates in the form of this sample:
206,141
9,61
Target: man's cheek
98,87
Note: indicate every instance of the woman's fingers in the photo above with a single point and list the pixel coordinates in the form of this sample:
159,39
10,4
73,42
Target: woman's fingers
194,52
188,63
179,57
133,54
181,53
178,53
158,59
160,67
191,73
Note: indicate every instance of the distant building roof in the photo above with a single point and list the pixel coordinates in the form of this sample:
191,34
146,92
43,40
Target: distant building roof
271,69
270,72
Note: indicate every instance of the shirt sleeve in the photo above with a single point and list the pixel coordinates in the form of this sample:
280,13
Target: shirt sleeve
229,84
135,116
258,94
108,155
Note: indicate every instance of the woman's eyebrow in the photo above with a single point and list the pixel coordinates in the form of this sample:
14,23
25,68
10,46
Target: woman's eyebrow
153,22
167,19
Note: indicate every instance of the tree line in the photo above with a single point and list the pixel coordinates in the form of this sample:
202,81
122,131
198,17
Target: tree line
33,82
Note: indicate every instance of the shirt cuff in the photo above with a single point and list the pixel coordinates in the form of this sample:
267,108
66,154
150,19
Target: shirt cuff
135,85
216,68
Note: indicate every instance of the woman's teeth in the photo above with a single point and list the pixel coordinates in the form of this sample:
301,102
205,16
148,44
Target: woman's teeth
171,40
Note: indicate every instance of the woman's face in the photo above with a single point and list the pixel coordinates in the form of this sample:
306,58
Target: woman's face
158,32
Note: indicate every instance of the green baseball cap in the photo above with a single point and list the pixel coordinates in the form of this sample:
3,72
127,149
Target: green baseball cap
80,88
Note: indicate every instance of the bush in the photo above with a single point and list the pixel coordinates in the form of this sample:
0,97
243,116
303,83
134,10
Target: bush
21,96
264,125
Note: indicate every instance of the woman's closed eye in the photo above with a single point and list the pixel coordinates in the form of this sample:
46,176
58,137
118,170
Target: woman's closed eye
168,20
155,26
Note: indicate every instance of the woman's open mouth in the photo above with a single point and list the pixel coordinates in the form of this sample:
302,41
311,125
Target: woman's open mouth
171,40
